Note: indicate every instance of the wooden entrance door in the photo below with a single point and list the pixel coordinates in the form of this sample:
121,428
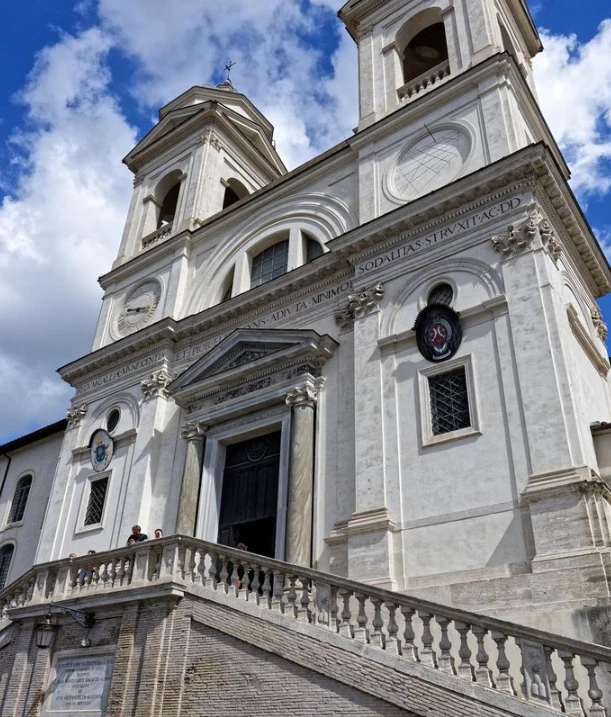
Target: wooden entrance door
249,499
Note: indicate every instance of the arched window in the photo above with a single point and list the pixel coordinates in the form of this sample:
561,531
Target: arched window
269,264
425,51
6,556
441,294
20,499
313,249
234,191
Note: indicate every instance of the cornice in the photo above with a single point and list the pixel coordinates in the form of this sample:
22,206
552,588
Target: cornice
533,167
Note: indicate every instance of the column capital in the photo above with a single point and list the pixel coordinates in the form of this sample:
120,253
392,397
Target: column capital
360,304
156,386
75,414
305,395
601,328
194,431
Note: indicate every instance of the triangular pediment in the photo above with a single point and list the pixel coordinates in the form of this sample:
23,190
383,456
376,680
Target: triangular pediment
248,352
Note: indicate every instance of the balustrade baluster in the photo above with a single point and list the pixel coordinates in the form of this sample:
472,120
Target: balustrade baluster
378,637
345,627
233,581
573,704
393,644
213,576
446,661
224,573
482,674
266,588
277,602
291,597
410,650
112,572
465,669
303,611
361,633
504,683
427,654
201,569
334,610
121,569
95,576
555,694
191,573
243,581
594,691
255,584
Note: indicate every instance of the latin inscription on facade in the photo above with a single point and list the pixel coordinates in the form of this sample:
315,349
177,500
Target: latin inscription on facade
80,686
308,302
125,370
450,231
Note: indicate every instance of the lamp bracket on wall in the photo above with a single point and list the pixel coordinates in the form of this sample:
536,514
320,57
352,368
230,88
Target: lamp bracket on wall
84,619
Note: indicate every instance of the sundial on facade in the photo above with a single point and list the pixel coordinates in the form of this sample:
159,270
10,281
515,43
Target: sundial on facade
430,162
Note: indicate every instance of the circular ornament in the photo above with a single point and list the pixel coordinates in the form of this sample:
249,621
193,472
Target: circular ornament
139,307
430,162
257,450
438,332
102,450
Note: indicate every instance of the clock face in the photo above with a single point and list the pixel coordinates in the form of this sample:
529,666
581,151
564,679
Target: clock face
430,162
139,307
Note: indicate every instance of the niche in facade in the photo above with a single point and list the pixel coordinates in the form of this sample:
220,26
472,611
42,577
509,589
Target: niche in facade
166,194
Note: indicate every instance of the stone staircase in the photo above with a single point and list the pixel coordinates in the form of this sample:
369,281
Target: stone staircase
426,659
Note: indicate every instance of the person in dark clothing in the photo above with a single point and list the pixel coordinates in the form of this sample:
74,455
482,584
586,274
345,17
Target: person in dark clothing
137,535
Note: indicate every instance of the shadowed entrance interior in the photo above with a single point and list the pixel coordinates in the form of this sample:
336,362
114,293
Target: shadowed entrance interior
249,500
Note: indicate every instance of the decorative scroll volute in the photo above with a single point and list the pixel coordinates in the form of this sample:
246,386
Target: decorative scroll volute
75,414
157,385
194,431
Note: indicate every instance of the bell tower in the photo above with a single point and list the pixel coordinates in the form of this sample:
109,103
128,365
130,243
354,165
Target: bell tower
408,47
210,148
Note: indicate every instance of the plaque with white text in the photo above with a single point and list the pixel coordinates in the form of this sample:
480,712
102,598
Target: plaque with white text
80,686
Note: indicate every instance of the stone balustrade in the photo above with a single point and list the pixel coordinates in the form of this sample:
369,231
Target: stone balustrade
422,82
525,663
157,236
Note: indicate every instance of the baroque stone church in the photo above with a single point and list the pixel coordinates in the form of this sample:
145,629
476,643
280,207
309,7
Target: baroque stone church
366,401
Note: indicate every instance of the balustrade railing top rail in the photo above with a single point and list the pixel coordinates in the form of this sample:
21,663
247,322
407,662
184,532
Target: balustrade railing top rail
494,653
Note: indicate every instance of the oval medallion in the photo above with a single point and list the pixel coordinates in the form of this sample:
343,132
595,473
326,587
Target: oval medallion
102,449
438,332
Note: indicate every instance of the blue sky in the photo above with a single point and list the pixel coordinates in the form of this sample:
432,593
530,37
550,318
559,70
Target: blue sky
82,80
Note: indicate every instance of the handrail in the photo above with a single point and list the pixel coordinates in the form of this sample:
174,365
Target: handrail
158,235
438,636
426,79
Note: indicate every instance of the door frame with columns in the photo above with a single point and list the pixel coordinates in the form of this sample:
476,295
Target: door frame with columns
254,382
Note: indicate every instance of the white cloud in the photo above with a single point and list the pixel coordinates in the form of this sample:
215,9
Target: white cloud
574,86
60,227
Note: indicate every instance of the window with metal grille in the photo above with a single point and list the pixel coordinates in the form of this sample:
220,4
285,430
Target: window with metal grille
6,556
97,496
269,264
20,499
313,250
441,294
449,401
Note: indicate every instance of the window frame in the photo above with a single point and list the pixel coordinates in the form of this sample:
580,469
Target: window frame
12,545
286,242
427,437
19,521
80,523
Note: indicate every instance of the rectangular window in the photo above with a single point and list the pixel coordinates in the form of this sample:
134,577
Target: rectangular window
269,264
97,497
449,401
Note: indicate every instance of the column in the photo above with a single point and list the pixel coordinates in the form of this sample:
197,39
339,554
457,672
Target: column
195,435
301,475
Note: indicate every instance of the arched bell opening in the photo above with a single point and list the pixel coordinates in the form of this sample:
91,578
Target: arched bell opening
234,191
166,194
424,52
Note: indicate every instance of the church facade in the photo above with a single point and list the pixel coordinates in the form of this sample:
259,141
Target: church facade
387,365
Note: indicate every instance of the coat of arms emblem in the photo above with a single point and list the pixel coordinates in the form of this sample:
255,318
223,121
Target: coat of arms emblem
102,449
